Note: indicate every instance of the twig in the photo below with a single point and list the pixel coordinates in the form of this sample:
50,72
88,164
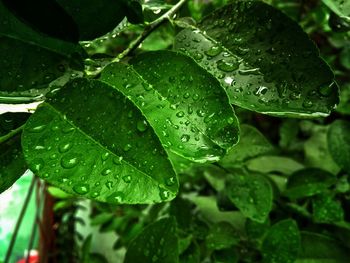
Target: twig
19,221
149,29
11,134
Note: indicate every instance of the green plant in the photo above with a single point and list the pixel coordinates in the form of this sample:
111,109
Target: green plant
223,129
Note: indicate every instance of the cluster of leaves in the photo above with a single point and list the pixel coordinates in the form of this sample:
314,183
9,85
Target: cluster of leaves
186,118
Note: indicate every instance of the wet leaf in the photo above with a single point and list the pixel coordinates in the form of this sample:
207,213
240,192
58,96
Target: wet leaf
339,143
340,7
252,143
308,182
318,248
282,242
251,194
186,106
94,147
156,243
326,209
221,235
263,59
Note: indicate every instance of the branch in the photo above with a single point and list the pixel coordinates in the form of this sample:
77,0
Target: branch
11,134
149,29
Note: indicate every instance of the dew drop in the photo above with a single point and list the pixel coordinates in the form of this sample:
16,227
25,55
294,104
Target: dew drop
69,161
180,114
37,129
185,138
127,178
37,164
213,51
64,147
81,188
227,65
106,171
127,147
142,125
116,197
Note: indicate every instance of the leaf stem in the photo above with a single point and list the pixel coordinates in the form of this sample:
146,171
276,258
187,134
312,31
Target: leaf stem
149,29
11,134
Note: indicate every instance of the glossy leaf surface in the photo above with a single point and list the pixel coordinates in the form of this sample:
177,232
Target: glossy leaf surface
282,242
251,194
222,235
340,7
87,140
156,243
325,209
186,106
318,248
308,182
251,143
339,143
263,59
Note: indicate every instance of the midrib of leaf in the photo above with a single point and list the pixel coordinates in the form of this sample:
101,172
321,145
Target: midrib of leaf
96,142
155,91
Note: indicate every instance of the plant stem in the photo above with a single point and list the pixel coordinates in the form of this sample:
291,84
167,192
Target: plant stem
149,29
11,134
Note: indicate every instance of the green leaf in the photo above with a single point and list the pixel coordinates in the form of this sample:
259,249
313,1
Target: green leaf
191,255
339,143
156,243
251,194
94,17
95,148
282,242
101,218
316,248
340,7
269,164
252,143
326,209
29,61
12,164
317,152
256,230
308,182
344,105
221,235
58,193
186,106
263,59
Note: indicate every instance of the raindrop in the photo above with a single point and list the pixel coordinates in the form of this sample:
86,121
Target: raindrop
185,138
127,147
64,147
37,164
180,114
227,65
115,197
213,51
81,189
142,125
127,178
106,171
37,129
69,161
